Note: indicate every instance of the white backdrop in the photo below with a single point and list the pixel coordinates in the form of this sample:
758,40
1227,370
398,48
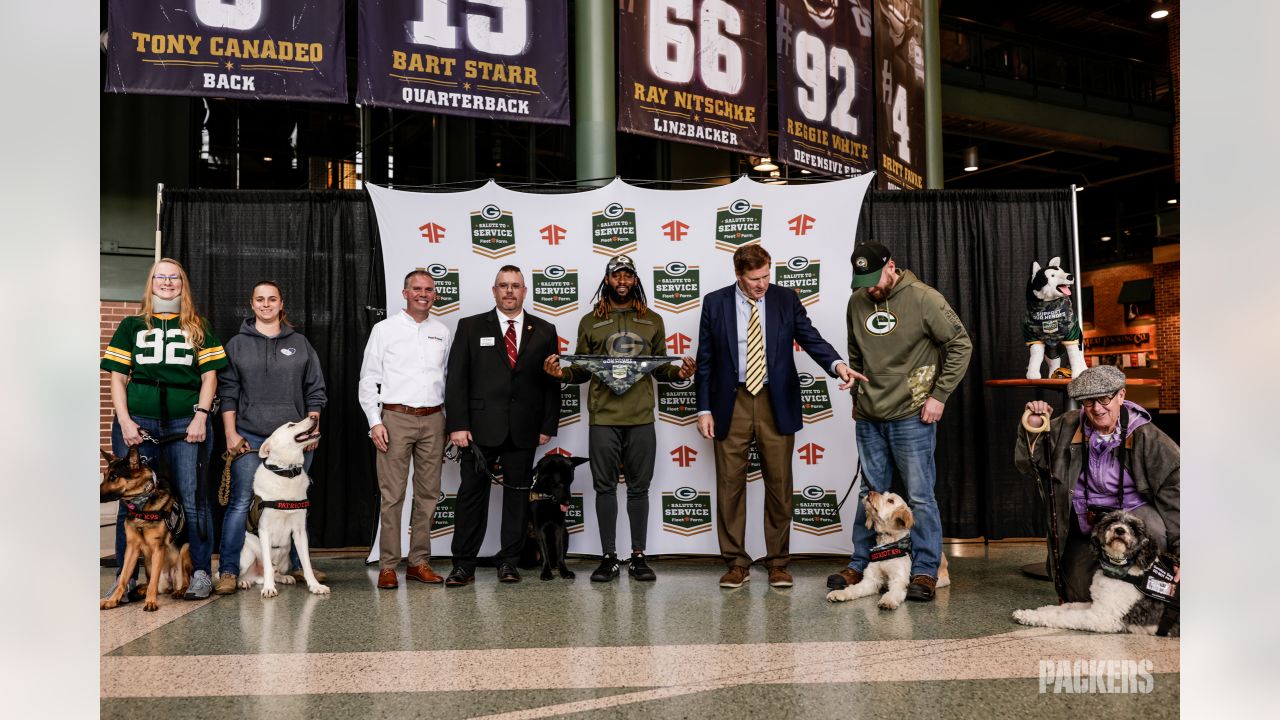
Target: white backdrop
682,242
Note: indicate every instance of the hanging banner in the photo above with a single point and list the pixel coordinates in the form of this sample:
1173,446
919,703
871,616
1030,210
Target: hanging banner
900,140
694,71
257,49
682,243
825,98
493,59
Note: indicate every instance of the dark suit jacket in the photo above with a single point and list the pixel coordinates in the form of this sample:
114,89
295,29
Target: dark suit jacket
785,321
486,396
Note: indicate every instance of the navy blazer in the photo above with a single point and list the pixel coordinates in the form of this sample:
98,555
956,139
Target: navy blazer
785,322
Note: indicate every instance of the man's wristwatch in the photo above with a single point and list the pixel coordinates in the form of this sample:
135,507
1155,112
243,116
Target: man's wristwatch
197,408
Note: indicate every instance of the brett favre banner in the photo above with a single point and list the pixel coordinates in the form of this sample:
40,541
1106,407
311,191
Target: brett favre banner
694,71
259,49
825,98
900,140
495,59
682,244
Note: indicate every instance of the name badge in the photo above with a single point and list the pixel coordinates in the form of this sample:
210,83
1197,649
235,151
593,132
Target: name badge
487,341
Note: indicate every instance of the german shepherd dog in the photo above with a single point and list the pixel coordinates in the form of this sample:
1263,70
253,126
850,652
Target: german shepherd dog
549,501
146,530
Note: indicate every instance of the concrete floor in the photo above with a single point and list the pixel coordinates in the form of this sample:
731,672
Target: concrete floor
679,647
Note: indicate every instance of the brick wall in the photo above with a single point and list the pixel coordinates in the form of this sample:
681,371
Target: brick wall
1168,324
109,316
1108,315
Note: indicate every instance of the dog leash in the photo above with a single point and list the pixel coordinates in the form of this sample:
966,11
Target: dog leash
856,474
453,452
229,457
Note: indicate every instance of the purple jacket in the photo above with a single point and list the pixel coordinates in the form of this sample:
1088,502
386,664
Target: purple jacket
1102,471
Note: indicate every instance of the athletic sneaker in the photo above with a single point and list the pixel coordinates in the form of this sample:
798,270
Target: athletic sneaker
129,590
639,569
201,586
608,569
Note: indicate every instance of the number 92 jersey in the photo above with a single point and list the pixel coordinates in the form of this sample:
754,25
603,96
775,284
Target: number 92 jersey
161,354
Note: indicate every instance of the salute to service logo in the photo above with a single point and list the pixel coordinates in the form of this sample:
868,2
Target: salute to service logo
573,518
814,510
448,288
555,290
686,512
677,402
570,404
800,274
738,224
613,230
442,521
493,232
676,287
815,400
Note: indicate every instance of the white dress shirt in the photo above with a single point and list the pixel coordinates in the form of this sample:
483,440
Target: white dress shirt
519,326
408,359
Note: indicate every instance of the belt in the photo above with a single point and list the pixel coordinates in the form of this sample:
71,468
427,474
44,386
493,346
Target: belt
407,410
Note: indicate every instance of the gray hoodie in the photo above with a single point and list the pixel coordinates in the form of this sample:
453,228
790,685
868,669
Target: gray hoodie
270,381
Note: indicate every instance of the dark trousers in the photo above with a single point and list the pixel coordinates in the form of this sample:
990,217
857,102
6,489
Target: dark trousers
472,514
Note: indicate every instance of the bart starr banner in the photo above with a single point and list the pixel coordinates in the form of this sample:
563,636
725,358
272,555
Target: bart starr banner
825,98
900,143
259,49
682,243
694,71
495,59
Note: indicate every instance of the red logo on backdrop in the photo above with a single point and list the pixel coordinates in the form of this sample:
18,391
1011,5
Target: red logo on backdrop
684,456
811,453
553,234
800,224
559,451
678,343
675,230
432,232
563,344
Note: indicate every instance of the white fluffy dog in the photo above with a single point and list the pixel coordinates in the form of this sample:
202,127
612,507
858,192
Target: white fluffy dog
1127,555
891,518
281,484
1049,326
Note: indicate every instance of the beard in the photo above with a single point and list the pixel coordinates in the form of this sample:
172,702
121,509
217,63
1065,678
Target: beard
615,298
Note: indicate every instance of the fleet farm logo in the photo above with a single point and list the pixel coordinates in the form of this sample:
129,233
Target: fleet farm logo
555,290
684,456
613,230
678,402
675,230
676,287
553,234
432,232
811,453
443,520
800,274
801,224
570,403
815,400
738,224
686,511
678,343
814,510
448,288
493,232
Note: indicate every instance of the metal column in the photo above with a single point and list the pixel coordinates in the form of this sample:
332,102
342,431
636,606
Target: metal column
594,104
933,177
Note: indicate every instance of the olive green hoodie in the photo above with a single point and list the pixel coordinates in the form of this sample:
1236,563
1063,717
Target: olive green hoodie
621,334
900,344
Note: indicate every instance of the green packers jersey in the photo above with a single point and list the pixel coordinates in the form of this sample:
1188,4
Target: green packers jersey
161,355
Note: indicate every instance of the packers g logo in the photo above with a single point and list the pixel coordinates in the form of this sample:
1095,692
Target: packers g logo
685,494
613,211
554,272
797,263
881,322
739,207
490,212
624,344
437,271
681,384
676,268
806,380
861,263
813,493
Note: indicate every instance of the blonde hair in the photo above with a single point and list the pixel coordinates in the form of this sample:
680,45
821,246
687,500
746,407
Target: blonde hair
188,317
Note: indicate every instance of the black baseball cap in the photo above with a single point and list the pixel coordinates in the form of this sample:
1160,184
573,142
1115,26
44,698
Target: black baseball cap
868,260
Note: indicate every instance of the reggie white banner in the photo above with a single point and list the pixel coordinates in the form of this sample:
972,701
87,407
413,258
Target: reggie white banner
682,243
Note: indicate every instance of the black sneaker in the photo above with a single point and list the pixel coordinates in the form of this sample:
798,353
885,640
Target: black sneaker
639,569
608,569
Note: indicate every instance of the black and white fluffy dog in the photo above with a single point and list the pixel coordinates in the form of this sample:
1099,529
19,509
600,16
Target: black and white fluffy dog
1049,326
1124,590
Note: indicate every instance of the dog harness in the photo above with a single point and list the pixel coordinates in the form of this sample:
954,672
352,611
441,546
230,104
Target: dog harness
889,551
1156,582
285,504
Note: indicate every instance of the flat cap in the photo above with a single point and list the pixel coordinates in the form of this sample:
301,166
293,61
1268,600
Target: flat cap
1095,382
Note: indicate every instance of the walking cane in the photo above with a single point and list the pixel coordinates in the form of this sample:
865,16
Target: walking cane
1044,481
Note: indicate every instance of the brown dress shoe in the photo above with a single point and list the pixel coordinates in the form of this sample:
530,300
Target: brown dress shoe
737,575
844,579
423,573
779,577
387,579
921,588
302,577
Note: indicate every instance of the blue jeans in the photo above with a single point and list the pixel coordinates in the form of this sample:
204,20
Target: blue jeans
183,458
237,514
909,443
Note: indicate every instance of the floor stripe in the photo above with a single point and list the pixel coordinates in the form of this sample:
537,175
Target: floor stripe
125,623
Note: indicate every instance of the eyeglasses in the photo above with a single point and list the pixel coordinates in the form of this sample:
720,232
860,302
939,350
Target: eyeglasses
1104,400
168,278
509,286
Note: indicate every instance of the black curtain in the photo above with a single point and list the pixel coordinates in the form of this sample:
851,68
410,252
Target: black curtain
976,248
321,248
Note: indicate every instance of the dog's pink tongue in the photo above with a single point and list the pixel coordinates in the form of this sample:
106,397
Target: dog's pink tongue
1065,290
564,508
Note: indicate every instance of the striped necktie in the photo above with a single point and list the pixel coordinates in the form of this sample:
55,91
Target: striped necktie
755,351
510,339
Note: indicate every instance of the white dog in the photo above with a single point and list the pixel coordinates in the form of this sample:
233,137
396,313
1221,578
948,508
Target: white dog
890,567
281,484
1049,326
1126,555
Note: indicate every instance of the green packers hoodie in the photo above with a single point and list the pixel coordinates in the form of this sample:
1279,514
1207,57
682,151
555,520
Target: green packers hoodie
621,334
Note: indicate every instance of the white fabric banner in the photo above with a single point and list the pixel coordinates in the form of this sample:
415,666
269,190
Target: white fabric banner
682,242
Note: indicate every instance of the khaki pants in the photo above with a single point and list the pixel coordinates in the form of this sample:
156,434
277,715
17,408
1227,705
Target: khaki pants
420,439
753,418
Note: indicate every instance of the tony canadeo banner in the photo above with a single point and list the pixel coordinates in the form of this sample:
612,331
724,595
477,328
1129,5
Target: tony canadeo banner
494,59
900,143
694,71
682,243
825,99
259,49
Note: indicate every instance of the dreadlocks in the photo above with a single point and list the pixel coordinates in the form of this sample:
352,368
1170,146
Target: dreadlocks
605,297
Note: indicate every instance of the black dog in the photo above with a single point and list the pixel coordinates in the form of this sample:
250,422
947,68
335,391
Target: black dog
549,501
